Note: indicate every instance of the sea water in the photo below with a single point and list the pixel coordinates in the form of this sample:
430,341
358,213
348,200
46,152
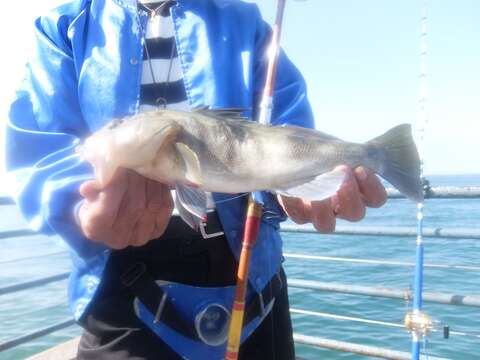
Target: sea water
25,311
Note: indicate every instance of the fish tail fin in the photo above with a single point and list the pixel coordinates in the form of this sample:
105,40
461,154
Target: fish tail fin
400,162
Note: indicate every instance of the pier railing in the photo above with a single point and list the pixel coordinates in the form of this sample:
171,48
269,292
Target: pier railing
372,291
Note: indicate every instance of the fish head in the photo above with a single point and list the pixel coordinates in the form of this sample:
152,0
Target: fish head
130,142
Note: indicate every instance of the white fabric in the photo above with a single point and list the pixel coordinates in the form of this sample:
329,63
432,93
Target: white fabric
160,27
160,71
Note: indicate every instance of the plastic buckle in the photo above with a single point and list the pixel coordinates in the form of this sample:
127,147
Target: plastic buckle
159,311
203,225
134,273
262,304
279,278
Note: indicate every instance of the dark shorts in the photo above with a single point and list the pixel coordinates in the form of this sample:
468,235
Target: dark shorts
113,332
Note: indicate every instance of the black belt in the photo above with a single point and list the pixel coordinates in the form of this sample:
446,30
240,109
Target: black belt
144,287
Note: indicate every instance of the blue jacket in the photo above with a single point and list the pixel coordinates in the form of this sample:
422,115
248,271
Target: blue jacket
86,70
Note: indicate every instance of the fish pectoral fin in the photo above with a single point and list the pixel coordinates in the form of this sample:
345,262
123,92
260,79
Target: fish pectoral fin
194,202
193,171
320,188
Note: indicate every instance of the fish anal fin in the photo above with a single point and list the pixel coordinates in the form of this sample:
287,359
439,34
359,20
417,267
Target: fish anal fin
321,187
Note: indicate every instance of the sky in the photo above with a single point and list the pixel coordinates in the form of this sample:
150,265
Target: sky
361,61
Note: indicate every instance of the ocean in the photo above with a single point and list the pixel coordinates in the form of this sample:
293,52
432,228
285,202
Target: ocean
27,310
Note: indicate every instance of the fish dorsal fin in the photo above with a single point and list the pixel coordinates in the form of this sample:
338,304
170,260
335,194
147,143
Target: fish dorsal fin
222,113
193,172
193,204
320,188
302,132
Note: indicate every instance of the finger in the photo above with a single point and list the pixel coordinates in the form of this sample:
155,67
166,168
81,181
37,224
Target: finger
122,234
374,193
161,222
296,209
323,219
348,202
144,229
109,200
133,203
96,230
90,189
104,212
85,221
157,197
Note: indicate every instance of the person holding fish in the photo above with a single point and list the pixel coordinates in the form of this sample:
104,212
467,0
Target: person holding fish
124,102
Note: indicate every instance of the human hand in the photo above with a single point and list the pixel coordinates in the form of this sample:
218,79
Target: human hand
130,210
361,188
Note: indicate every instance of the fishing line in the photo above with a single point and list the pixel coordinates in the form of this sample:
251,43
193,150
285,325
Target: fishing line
231,198
425,341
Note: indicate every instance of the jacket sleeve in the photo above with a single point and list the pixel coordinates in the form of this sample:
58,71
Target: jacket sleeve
44,127
290,102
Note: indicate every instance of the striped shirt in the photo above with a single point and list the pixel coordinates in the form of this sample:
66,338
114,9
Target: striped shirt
162,79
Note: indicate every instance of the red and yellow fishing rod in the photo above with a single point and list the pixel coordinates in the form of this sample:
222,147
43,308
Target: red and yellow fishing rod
254,207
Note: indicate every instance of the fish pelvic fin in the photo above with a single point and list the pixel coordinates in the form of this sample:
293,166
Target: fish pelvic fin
399,160
192,204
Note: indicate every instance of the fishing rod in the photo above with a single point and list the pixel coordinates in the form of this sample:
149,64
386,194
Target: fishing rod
418,322
255,202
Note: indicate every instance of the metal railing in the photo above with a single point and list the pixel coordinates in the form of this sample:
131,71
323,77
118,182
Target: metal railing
374,291
33,283
390,231
383,292
443,192
9,344
356,348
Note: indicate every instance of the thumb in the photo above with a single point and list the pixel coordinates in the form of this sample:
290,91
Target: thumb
90,189
297,210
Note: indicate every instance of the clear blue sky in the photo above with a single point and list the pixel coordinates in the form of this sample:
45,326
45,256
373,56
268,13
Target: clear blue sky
361,62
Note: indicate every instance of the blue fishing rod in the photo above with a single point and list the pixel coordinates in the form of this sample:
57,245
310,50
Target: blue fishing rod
417,322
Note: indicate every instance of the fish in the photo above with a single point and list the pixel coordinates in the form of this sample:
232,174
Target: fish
219,151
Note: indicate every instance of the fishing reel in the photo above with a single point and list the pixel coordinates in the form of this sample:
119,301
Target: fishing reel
421,325
418,323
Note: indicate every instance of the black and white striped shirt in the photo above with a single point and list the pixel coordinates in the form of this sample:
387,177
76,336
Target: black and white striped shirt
162,80
166,85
